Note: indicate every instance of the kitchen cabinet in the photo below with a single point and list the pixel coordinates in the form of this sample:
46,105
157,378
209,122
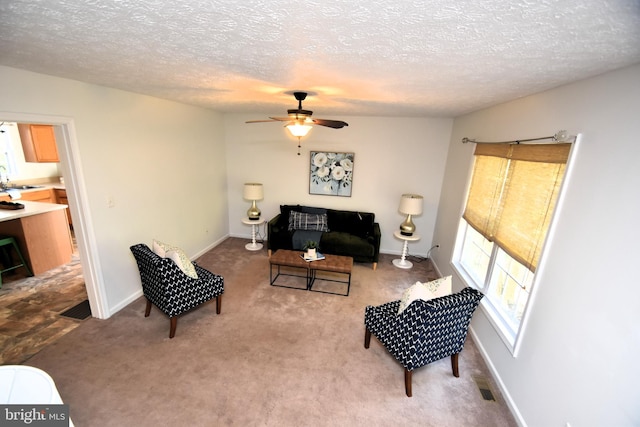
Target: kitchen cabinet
42,233
38,143
61,199
46,196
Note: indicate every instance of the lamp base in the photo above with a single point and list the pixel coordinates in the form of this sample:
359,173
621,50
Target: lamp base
407,228
253,213
402,263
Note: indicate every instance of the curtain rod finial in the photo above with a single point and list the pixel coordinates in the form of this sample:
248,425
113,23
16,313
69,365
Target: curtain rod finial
563,136
465,140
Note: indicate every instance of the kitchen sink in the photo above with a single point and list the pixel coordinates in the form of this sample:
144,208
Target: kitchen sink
22,187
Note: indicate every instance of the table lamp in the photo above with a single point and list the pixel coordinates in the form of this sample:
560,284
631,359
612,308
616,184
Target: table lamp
410,204
253,191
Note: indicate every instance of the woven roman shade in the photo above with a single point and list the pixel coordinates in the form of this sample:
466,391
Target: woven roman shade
513,194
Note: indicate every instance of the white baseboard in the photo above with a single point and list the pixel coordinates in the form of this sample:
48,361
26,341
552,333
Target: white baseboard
131,298
494,373
435,267
211,246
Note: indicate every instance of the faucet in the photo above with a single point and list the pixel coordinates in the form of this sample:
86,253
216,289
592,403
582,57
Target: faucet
4,184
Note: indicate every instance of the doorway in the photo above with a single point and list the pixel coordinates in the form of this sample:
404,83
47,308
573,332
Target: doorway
76,192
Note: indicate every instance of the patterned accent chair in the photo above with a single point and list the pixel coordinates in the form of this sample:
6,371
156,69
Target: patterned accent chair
425,331
167,287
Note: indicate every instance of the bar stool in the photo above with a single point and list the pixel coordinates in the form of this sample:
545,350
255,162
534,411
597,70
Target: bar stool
6,243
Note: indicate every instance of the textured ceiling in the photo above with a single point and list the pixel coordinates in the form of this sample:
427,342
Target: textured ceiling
360,57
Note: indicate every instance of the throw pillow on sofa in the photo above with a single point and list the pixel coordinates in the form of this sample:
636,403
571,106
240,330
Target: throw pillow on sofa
284,214
307,221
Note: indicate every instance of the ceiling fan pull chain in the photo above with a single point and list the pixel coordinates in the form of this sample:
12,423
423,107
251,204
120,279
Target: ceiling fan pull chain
298,146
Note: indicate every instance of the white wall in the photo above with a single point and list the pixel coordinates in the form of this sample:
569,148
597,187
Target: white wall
392,156
577,362
161,163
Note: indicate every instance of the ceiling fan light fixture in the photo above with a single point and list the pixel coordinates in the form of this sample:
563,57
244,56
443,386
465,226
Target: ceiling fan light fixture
298,129
299,121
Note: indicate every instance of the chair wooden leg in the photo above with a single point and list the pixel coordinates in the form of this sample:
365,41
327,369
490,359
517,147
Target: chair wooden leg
454,365
367,338
218,304
407,381
147,310
174,324
375,265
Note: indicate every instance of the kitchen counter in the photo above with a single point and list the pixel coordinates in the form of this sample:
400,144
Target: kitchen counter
39,186
30,208
42,232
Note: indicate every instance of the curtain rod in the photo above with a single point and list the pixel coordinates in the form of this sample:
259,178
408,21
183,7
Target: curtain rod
560,136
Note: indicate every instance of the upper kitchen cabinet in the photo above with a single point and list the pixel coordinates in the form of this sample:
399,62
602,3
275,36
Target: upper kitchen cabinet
38,143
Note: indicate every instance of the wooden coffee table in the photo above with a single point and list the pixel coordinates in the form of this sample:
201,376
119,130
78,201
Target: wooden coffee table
286,258
331,264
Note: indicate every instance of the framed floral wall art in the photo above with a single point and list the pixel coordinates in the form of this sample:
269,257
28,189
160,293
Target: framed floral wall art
331,174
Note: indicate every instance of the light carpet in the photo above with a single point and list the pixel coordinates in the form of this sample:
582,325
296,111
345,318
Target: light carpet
273,357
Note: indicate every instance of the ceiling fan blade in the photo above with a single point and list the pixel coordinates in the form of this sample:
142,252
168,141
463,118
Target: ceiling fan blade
271,119
335,124
260,121
303,117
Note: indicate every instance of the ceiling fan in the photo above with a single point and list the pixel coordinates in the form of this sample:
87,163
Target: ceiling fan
299,121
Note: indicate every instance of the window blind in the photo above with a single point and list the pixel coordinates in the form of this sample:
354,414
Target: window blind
513,192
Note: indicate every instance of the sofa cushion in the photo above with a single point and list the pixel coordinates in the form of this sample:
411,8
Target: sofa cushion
312,210
358,223
306,221
301,237
347,244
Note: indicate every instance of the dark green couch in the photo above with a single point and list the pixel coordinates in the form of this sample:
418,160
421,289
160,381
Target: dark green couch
351,233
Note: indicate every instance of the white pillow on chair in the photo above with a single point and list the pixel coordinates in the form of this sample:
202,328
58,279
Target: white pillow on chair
425,291
177,255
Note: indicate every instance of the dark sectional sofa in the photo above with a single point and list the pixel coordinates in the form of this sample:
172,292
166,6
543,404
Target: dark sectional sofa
338,232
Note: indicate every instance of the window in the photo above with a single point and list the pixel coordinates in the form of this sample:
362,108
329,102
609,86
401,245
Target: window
512,197
8,167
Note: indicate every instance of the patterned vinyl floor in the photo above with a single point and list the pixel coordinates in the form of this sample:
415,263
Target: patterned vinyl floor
30,309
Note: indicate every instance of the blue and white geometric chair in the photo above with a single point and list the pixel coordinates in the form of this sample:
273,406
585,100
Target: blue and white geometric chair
167,287
425,331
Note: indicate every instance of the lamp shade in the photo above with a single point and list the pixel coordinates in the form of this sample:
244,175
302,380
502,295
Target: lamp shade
298,129
411,204
252,191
